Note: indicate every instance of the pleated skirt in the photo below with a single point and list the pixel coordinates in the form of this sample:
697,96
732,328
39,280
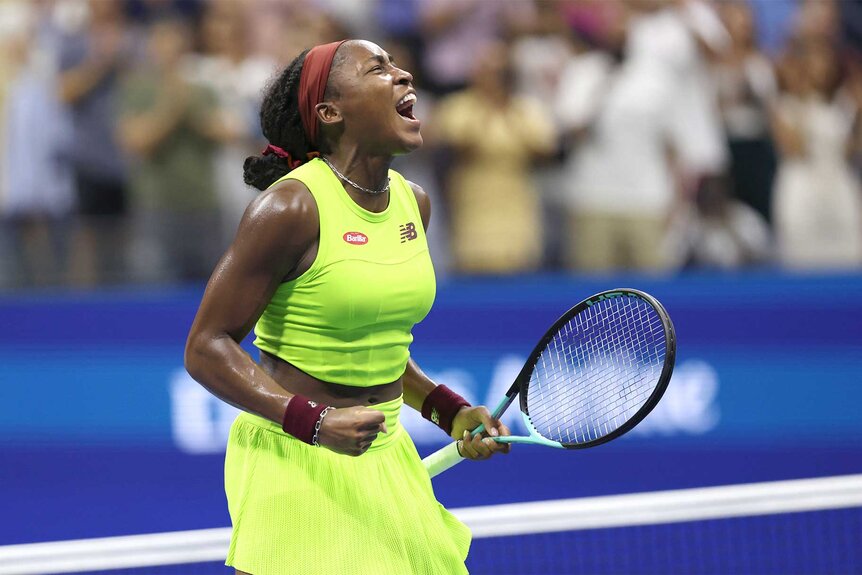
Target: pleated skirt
300,509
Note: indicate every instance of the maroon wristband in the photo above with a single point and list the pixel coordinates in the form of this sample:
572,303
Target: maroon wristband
300,417
441,406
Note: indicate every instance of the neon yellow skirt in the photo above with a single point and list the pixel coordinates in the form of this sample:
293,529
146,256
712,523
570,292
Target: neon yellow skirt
299,509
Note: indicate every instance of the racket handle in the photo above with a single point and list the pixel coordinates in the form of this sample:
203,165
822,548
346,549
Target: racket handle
442,459
447,457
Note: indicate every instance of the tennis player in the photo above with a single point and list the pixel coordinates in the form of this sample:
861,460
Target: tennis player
331,266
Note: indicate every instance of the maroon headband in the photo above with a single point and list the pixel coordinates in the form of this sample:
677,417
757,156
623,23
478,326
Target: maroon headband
312,84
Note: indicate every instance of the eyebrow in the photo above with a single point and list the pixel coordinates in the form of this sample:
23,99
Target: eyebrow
380,59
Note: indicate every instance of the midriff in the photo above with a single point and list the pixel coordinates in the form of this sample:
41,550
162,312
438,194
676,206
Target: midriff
296,381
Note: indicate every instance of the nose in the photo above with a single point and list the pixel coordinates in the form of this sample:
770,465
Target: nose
403,76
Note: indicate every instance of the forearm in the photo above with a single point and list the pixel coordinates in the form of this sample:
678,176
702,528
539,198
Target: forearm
142,133
437,403
229,373
788,139
417,385
77,82
534,130
453,414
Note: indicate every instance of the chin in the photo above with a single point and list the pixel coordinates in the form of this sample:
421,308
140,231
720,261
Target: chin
409,144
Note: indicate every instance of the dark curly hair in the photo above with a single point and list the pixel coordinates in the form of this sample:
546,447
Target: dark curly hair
282,124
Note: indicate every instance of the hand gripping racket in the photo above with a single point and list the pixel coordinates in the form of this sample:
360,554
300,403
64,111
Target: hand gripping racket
596,373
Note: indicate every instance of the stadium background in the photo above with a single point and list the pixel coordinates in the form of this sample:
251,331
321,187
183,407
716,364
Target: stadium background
102,433
108,435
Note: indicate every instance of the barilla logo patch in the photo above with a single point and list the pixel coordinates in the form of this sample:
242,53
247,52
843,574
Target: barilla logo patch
355,238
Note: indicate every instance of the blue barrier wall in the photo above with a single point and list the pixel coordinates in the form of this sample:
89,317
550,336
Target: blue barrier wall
103,433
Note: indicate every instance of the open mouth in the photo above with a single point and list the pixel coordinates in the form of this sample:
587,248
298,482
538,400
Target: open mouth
404,107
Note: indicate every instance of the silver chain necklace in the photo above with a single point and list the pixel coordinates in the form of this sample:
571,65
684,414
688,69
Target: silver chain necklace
354,184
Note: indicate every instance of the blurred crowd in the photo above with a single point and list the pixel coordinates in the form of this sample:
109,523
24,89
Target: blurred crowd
580,135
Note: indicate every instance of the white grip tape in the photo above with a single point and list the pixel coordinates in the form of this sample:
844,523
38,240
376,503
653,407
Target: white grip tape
442,459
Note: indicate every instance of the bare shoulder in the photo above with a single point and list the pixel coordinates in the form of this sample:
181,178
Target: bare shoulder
278,227
423,201
288,206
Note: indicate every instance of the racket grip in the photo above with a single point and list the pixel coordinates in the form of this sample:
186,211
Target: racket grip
442,459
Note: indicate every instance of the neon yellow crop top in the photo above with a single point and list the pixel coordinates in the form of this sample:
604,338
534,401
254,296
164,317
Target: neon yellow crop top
348,319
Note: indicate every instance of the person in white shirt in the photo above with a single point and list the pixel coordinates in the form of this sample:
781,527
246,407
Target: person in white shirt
640,122
616,110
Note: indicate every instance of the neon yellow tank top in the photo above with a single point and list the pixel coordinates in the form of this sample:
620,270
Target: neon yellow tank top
348,319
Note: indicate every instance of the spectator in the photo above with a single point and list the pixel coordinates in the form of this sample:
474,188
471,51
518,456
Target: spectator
540,50
456,31
720,232
36,184
747,90
616,109
652,101
495,210
91,61
539,53
818,201
686,35
237,79
170,126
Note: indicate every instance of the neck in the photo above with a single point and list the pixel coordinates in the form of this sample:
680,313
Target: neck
369,171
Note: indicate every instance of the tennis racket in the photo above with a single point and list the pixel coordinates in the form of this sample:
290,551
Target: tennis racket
596,373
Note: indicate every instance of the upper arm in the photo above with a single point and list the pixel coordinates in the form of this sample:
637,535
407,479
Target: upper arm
424,203
277,229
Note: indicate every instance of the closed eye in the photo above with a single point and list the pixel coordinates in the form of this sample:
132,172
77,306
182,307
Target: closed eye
382,63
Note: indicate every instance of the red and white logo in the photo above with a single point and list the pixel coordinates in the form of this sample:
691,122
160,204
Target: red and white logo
355,238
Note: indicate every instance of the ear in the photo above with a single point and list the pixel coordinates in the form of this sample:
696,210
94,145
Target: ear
328,113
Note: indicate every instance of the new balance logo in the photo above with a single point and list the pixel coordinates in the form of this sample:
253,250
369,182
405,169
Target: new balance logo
408,232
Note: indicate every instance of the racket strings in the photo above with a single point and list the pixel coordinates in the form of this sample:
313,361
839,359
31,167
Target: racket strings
597,371
606,404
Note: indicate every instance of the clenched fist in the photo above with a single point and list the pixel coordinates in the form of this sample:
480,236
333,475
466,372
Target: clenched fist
351,430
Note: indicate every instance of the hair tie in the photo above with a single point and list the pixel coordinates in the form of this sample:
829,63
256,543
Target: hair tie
271,150
275,151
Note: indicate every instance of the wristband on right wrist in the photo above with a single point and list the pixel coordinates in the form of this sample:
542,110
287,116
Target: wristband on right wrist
302,418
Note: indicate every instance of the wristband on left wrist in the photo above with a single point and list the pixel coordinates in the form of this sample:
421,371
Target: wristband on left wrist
441,406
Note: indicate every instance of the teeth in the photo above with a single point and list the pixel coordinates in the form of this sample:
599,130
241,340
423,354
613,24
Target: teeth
405,99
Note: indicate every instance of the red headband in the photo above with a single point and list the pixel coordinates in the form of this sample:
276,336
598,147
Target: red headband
312,84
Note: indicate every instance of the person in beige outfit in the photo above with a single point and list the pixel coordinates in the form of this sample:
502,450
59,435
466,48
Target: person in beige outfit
496,136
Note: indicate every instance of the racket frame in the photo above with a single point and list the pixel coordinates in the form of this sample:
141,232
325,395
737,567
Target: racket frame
521,384
448,456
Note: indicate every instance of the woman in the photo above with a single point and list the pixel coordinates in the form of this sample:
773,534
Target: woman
332,265
818,197
496,136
